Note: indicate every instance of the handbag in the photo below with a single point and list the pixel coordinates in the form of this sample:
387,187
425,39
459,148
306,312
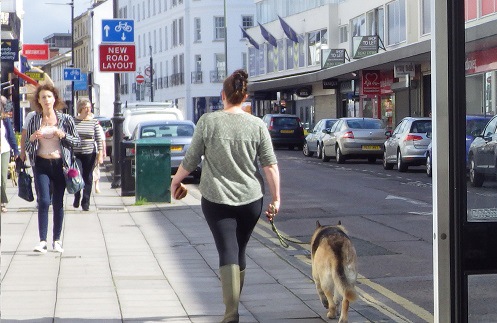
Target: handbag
24,181
74,179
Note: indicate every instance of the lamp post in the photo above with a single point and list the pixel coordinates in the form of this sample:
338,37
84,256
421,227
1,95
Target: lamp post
225,42
151,76
117,120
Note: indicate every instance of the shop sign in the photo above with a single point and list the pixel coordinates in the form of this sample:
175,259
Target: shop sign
36,52
10,50
365,46
332,57
386,82
370,81
330,84
37,76
481,61
347,87
401,69
304,92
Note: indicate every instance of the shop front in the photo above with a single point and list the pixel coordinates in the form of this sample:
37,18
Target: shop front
481,82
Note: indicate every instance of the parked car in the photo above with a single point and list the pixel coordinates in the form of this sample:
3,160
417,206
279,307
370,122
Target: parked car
483,155
179,132
407,144
474,127
106,124
137,112
314,140
354,138
285,129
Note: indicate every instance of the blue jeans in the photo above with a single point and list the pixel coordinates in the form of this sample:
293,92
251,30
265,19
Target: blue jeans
46,170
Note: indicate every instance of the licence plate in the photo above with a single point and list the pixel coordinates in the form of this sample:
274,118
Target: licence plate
371,147
286,131
176,148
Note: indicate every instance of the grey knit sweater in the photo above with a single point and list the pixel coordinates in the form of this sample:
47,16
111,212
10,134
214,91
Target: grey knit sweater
232,145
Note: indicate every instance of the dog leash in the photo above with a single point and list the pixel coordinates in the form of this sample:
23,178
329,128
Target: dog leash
283,240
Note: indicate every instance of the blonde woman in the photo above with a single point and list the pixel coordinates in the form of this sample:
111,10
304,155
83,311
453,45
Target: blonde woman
91,150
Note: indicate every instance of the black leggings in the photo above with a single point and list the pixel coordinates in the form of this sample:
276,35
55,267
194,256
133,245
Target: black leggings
231,227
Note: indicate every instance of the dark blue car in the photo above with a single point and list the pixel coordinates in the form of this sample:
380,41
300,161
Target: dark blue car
474,126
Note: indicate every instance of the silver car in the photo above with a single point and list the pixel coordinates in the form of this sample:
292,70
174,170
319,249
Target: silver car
354,138
407,144
179,132
314,140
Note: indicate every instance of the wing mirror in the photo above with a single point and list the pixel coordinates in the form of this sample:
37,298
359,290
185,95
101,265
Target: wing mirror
388,133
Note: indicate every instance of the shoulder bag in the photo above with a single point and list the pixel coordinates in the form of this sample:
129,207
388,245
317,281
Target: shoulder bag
72,174
24,184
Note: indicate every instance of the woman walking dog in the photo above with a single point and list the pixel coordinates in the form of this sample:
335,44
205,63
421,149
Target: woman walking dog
232,143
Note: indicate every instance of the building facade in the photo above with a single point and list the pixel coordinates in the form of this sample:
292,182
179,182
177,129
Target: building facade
181,50
346,59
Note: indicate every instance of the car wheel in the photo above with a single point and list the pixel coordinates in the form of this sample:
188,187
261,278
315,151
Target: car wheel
401,166
476,179
340,157
371,160
306,151
386,165
428,165
324,157
320,151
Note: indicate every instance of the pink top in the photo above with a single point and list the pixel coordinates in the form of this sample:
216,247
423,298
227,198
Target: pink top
49,144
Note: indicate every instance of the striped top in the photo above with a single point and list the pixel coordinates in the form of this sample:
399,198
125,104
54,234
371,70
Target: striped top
89,134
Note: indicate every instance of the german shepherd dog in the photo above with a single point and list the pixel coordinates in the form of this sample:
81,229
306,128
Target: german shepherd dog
334,268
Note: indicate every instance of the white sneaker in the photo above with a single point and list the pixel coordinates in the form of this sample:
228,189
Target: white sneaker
57,246
42,247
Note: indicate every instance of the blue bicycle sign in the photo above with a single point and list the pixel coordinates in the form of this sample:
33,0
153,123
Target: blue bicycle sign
118,31
72,74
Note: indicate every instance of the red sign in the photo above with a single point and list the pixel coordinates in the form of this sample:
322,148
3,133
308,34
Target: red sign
117,58
370,82
35,52
140,79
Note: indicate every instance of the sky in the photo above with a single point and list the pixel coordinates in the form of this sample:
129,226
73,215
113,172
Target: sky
42,18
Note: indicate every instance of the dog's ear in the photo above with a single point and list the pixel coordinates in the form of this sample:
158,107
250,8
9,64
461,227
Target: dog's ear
318,224
339,222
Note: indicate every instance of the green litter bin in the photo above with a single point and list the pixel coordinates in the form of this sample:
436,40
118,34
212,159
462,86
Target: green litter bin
153,170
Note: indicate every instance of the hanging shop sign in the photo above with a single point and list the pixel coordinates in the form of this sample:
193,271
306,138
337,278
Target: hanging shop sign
401,69
364,46
36,52
332,57
330,84
10,50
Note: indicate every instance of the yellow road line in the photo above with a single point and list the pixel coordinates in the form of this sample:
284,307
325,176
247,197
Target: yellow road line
403,302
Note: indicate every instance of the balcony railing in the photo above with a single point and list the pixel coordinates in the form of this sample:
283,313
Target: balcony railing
177,79
196,77
217,76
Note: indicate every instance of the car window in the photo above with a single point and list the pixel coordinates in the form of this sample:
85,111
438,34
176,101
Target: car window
330,123
399,127
285,122
364,124
475,125
318,126
490,128
421,126
173,130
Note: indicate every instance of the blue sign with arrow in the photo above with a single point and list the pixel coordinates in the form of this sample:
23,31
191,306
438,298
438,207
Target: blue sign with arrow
72,74
82,84
118,31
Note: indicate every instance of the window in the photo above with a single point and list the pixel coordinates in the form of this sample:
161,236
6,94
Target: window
344,33
174,33
143,10
425,17
160,39
358,25
144,45
139,46
155,41
154,11
396,22
247,22
316,41
198,63
244,61
159,3
290,55
180,31
134,12
148,7
138,11
166,44
218,28
375,22
197,35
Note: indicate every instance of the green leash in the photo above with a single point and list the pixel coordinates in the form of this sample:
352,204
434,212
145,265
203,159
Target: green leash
283,240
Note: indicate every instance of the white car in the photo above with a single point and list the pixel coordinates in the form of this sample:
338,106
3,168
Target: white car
135,113
314,140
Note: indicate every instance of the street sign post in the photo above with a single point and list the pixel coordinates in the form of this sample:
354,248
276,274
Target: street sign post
117,58
72,74
118,31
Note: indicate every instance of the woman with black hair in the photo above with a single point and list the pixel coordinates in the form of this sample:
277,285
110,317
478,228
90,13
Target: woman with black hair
233,143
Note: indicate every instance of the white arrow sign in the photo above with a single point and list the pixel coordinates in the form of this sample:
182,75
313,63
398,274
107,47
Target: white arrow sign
106,29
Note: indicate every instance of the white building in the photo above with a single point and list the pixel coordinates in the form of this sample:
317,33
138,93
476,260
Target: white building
185,41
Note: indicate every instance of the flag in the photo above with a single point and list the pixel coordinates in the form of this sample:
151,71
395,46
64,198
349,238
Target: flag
267,36
290,33
250,39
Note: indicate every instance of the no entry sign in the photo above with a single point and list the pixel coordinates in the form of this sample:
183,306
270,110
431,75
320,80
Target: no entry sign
117,58
140,79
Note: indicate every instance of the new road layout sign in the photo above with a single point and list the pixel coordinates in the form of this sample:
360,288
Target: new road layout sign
117,58
72,74
118,31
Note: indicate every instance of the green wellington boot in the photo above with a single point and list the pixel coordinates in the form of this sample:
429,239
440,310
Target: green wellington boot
230,282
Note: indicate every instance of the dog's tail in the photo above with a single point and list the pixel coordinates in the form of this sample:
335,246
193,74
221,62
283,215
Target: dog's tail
346,274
